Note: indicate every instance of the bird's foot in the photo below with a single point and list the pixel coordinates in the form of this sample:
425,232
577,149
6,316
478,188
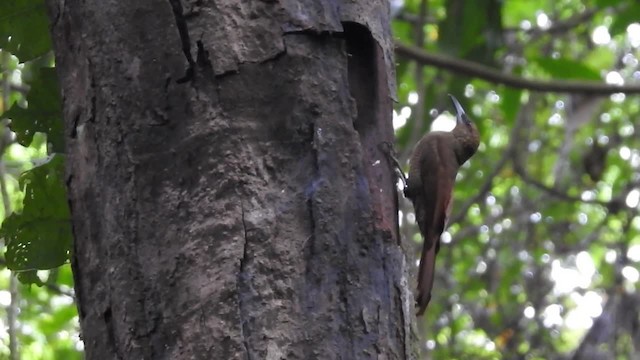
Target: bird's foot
387,148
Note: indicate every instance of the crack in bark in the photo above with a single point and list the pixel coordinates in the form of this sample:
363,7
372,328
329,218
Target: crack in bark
183,30
315,32
309,194
111,334
244,327
203,60
92,86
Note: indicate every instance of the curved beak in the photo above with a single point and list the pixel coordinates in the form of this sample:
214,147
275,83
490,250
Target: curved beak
461,116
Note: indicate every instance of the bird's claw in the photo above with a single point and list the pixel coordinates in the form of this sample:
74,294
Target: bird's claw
387,148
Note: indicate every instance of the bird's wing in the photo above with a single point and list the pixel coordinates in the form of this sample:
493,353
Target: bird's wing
438,169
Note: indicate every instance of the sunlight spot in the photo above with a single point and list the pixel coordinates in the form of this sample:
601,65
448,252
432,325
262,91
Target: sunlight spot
543,21
545,258
552,316
576,320
446,237
633,31
631,273
600,35
491,200
398,120
605,118
614,78
582,218
411,218
484,229
635,159
493,97
5,298
525,25
413,98
625,153
516,289
626,130
481,268
405,112
588,195
529,312
534,145
60,301
618,97
633,198
630,60
555,119
535,217
523,255
634,253
559,105
506,223
431,344
490,346
603,139
497,228
585,264
469,91
592,304
444,122
610,256
566,279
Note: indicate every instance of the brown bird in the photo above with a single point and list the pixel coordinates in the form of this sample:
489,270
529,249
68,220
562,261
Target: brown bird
432,172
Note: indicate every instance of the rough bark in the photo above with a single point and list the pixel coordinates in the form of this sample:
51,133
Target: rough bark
228,195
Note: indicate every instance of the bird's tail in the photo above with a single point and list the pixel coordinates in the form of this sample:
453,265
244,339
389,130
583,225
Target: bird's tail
426,273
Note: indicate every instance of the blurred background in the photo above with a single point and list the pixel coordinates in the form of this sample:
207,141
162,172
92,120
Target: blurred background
541,258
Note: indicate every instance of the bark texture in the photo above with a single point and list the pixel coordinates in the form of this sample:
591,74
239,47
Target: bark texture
228,195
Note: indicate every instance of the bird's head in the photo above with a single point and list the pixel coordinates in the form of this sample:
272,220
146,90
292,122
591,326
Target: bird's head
465,133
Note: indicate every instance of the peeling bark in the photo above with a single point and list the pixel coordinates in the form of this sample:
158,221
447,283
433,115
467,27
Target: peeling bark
235,204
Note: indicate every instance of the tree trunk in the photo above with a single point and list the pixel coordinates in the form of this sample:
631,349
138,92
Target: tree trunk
228,195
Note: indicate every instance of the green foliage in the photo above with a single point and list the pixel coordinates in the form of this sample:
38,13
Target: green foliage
543,236
24,28
43,114
517,255
40,236
566,69
37,234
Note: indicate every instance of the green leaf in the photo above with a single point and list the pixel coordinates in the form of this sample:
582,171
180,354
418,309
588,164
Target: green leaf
40,237
480,17
605,3
30,277
517,11
43,114
510,104
622,20
24,28
567,69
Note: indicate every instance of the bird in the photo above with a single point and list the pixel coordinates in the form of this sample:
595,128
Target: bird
433,167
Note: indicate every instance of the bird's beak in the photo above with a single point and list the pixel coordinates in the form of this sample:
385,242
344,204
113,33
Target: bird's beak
461,116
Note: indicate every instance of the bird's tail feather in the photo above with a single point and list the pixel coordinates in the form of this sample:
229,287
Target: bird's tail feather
425,275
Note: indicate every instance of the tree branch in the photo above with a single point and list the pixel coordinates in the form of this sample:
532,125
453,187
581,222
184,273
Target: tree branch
484,189
553,191
476,70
